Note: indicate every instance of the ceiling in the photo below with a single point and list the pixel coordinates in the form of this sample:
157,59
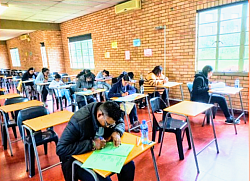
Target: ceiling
49,11
8,34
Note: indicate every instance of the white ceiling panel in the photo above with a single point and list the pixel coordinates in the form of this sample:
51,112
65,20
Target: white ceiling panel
8,34
64,10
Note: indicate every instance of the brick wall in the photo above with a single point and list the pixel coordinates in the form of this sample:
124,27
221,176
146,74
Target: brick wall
179,16
4,58
30,52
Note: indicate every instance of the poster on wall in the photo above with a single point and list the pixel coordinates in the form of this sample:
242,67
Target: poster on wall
137,42
148,52
114,44
127,55
107,54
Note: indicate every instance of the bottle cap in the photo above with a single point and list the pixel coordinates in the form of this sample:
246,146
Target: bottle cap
143,121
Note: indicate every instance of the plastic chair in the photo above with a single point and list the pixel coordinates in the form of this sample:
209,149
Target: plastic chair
11,123
58,100
173,126
41,137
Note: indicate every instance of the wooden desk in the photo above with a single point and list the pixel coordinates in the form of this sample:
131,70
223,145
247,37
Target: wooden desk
128,99
43,83
170,85
3,89
83,93
44,122
10,95
136,151
16,107
192,109
228,91
27,81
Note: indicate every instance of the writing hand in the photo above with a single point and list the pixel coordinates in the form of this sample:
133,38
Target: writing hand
116,138
99,143
92,89
124,94
84,89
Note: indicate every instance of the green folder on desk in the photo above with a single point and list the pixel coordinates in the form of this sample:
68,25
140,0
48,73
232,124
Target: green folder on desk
110,158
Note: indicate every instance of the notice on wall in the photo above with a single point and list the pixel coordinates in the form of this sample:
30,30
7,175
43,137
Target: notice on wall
148,52
114,44
127,55
107,54
137,42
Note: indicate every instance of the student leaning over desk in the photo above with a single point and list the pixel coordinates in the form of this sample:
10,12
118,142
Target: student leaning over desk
123,88
154,78
83,133
41,78
200,92
30,86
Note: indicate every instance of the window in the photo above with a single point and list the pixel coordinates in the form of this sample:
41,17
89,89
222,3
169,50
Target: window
44,57
81,52
222,38
15,57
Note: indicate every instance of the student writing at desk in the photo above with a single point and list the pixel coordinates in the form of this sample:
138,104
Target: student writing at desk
83,134
123,88
43,77
102,75
200,92
85,82
55,84
29,86
154,78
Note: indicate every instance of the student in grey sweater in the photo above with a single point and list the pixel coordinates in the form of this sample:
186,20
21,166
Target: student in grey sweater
42,89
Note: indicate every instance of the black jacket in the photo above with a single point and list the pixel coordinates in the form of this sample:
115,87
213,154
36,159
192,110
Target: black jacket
200,88
117,89
78,135
27,76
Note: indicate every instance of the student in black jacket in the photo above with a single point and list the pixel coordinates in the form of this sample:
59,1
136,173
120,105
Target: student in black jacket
82,134
30,87
200,92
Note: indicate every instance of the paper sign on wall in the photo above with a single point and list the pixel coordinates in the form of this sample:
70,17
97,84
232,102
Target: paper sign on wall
107,55
148,52
127,55
114,44
137,42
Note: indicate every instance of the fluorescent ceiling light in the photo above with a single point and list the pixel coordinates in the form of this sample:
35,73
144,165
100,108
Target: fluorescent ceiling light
3,7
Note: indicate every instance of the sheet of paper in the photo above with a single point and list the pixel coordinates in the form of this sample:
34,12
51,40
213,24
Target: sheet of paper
128,105
123,150
127,98
113,163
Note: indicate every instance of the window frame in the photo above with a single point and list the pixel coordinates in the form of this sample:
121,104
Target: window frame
15,59
243,33
44,55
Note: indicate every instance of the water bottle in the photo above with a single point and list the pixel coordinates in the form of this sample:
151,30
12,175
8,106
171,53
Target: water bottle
237,83
141,77
144,132
142,89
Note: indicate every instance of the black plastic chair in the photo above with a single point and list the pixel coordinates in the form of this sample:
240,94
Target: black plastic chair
11,123
114,80
173,126
41,137
58,100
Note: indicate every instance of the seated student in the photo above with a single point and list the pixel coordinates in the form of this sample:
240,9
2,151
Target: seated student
57,82
84,83
100,76
121,89
200,92
154,78
42,89
30,86
82,135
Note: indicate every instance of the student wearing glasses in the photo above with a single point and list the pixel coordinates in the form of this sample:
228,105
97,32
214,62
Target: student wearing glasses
123,88
85,132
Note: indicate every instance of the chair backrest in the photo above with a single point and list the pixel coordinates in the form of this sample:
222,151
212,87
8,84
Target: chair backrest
16,100
157,103
30,113
190,88
114,80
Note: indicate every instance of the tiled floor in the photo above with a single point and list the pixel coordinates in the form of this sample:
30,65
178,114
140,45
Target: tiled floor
231,164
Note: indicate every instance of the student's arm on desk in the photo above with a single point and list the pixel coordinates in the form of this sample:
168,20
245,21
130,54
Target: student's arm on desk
113,92
70,144
130,89
198,86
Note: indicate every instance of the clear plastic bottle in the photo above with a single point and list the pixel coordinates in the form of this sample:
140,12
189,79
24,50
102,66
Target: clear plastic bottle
237,83
144,132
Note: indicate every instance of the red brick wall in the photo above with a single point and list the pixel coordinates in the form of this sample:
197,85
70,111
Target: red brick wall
179,16
4,58
30,53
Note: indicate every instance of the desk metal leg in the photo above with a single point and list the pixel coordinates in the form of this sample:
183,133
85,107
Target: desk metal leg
155,165
182,95
215,139
148,111
76,162
35,151
232,112
7,132
242,108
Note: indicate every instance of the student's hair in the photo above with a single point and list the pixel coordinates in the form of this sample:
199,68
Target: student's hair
106,72
207,69
81,73
31,68
44,70
122,75
58,76
111,109
126,77
131,75
157,70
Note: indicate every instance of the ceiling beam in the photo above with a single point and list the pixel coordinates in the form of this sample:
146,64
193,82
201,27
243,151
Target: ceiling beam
27,25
